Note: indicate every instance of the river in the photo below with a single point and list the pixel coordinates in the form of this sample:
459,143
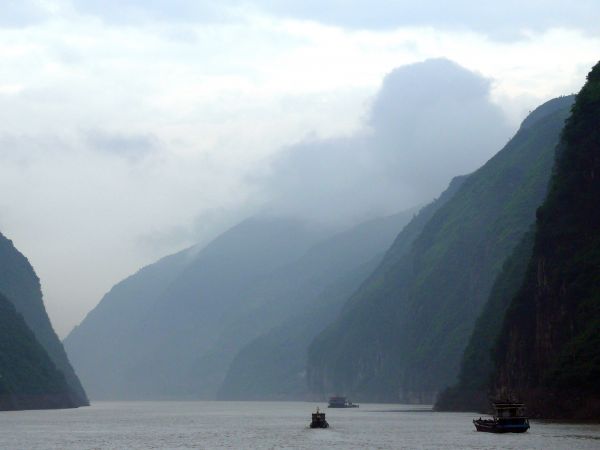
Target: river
270,425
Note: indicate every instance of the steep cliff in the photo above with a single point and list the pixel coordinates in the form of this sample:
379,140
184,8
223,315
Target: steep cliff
400,337
548,353
472,392
20,284
273,366
28,378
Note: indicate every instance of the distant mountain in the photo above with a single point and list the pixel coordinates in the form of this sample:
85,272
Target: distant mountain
401,335
28,378
152,335
21,286
173,329
548,351
312,289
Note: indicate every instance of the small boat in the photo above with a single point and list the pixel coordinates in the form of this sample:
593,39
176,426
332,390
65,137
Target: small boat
508,418
341,402
318,420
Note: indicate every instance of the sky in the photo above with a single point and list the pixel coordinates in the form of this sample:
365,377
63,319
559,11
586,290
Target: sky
132,129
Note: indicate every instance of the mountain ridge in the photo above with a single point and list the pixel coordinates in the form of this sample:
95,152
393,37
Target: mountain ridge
21,286
401,337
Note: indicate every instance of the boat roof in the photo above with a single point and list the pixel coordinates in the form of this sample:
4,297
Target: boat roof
503,405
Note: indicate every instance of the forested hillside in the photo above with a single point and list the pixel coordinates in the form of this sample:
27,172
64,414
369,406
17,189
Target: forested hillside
401,335
28,378
273,366
472,392
20,284
548,353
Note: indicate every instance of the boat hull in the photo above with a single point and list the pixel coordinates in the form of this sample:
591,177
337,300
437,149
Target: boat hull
495,427
318,420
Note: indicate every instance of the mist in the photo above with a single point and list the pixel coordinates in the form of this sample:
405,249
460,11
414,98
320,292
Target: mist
219,218
427,123
132,130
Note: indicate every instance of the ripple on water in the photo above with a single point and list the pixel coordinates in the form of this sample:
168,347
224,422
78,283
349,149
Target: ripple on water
270,425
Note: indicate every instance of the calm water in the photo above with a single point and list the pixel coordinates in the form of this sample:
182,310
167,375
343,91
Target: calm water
265,425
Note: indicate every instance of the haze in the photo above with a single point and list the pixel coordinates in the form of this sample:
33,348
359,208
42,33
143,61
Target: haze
133,129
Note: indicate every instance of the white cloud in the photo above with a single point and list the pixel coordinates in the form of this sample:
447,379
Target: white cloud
429,122
202,104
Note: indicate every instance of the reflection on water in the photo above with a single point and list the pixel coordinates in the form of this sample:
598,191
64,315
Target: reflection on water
266,425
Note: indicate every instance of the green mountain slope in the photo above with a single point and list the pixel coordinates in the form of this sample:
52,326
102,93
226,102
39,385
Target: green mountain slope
471,393
548,353
28,378
273,366
401,335
21,286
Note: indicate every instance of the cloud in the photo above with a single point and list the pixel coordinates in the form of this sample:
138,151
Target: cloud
137,11
197,233
129,146
507,19
21,13
133,129
429,122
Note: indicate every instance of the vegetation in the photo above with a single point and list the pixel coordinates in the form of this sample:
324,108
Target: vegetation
472,391
28,378
400,337
548,353
21,286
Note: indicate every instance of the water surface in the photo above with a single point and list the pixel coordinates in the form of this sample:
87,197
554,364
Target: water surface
270,425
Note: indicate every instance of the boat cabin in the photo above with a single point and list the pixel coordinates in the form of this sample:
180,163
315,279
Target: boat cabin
509,410
341,402
318,420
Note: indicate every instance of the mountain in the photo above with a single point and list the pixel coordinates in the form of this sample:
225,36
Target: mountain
21,286
273,366
401,335
548,350
152,335
28,378
172,329
471,393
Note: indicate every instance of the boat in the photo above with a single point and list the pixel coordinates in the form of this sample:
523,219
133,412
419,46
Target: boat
318,420
508,418
341,402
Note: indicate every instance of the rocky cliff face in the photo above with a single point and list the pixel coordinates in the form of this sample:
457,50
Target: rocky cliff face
21,286
548,353
400,337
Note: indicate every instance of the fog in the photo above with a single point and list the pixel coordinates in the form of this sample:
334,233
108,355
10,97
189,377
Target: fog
133,129
428,122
